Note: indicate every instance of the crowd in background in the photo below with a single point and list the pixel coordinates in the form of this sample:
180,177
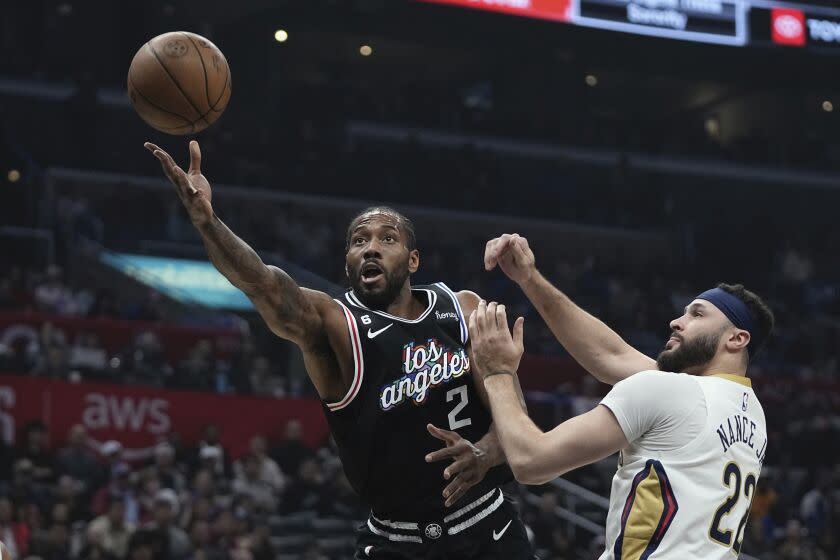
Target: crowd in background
89,501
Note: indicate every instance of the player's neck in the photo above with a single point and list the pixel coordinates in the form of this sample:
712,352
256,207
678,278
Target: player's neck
405,305
725,365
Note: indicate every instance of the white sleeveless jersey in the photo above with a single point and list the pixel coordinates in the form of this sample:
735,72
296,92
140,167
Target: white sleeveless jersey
685,482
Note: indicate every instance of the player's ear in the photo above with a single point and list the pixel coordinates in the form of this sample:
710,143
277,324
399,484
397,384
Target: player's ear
413,261
346,270
738,339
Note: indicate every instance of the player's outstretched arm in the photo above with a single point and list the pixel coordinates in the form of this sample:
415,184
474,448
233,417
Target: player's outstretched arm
534,457
595,346
286,308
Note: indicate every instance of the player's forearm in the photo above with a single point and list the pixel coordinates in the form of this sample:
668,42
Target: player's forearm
591,342
518,435
234,258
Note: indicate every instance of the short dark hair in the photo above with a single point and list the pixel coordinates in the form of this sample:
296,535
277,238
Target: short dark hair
404,223
761,312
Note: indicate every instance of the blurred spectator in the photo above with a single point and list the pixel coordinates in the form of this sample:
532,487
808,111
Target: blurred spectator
291,451
308,493
148,544
165,469
249,482
110,531
148,491
119,486
35,448
78,460
14,534
269,471
69,492
202,539
815,507
112,452
144,361
165,513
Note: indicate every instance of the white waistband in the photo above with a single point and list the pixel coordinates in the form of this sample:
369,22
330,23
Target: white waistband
410,526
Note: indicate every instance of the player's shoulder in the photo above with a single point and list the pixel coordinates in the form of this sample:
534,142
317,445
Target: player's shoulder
657,383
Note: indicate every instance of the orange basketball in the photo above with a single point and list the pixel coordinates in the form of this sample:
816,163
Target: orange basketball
179,83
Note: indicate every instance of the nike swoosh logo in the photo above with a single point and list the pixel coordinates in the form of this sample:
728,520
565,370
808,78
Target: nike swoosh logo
374,334
497,536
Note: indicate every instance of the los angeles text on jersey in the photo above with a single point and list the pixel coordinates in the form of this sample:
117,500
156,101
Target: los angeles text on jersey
741,429
424,366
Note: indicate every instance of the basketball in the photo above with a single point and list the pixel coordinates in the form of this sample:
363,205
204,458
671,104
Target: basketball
179,83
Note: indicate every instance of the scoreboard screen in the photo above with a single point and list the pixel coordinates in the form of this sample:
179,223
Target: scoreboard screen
724,22
707,21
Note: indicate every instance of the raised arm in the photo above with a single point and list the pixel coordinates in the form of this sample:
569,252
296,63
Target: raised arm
595,346
288,310
535,457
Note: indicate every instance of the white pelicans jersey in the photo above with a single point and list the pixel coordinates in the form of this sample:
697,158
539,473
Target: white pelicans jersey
686,480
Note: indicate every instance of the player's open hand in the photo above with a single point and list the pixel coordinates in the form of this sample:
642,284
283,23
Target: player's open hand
513,255
192,187
495,348
469,463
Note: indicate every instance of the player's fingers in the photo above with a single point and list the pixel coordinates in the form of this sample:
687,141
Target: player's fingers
195,157
177,174
521,249
519,333
456,467
489,254
441,454
481,316
473,325
501,317
441,434
491,315
454,492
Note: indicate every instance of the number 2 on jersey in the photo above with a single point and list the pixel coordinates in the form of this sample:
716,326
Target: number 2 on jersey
461,392
732,471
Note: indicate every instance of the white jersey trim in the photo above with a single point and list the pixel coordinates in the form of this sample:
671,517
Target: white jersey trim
351,297
465,334
358,362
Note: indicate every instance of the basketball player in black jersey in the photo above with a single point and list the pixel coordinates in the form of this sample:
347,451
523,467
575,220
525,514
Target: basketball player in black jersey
390,363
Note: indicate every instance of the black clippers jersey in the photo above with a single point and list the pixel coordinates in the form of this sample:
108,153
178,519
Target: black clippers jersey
407,374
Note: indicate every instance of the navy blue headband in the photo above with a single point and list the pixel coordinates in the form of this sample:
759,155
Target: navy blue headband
735,310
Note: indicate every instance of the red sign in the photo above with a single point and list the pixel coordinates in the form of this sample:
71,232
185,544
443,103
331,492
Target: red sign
115,336
557,10
788,27
139,417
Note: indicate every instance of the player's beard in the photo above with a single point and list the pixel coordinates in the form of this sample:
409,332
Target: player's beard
690,354
379,299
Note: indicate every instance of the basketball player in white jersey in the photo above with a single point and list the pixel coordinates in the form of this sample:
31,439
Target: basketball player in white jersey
688,427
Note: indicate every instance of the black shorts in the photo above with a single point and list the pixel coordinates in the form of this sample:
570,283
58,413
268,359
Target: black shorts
487,529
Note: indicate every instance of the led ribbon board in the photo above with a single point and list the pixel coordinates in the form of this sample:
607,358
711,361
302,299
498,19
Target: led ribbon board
721,22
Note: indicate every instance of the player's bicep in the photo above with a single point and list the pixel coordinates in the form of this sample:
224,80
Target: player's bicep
621,366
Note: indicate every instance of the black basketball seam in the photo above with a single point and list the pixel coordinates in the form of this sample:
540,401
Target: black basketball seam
204,68
224,88
159,108
177,85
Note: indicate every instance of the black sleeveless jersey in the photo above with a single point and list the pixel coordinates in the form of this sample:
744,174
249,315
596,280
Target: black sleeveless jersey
407,374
